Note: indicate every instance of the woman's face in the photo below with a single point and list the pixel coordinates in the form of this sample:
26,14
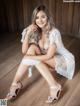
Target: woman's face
41,19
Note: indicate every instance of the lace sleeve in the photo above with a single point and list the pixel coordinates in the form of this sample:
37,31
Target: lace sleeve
24,34
55,38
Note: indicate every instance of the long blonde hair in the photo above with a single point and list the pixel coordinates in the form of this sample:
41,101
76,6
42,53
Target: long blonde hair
45,10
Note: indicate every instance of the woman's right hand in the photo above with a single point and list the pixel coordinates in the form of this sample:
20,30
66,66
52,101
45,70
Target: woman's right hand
32,27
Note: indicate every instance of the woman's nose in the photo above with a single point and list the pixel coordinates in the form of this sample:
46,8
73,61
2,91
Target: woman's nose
40,20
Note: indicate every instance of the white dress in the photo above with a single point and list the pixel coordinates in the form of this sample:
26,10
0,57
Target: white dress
64,60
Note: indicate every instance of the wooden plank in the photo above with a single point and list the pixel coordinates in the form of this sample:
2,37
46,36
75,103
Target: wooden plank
68,89
6,81
9,59
67,40
75,27
79,24
46,3
74,48
19,15
10,14
26,12
64,17
52,9
30,94
70,17
74,100
59,14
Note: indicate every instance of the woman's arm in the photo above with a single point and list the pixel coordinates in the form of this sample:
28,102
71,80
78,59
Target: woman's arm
50,53
25,44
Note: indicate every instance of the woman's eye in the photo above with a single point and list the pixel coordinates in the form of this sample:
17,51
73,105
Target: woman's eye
43,16
37,17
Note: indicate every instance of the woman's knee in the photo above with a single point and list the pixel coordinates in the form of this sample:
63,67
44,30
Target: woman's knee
50,62
31,50
35,48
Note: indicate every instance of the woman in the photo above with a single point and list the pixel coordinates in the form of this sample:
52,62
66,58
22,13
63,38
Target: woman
53,54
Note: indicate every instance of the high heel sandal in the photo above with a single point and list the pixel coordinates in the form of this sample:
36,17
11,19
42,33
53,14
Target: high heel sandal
55,96
14,90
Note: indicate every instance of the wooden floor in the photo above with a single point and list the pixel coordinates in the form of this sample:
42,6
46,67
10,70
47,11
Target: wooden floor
35,90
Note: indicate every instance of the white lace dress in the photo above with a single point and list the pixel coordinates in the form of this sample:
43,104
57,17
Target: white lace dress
65,61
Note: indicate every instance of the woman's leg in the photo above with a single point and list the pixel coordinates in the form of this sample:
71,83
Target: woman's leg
16,85
55,87
50,62
33,50
20,73
44,70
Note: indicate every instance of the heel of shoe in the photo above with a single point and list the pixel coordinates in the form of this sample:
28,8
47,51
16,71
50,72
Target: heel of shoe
58,90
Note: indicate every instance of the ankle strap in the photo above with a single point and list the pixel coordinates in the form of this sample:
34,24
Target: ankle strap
55,87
